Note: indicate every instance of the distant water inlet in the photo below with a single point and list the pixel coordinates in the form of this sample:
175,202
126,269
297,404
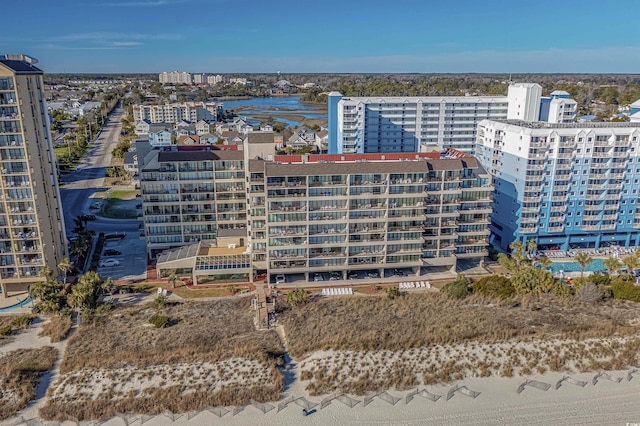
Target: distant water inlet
289,110
597,265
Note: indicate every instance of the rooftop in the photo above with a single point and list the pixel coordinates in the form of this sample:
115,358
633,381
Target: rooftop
580,125
20,64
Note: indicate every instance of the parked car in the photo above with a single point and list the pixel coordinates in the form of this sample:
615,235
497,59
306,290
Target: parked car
335,276
373,274
353,275
318,277
280,279
109,262
399,272
112,252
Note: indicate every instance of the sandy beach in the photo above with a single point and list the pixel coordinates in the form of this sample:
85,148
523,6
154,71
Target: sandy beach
606,403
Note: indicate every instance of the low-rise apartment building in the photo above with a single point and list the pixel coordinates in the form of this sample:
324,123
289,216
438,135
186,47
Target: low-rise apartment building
563,185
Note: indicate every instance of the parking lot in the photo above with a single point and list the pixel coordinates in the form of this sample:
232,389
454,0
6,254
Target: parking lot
132,257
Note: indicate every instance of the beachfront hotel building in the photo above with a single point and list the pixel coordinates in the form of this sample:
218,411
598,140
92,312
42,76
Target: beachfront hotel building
563,185
303,215
412,124
32,233
176,112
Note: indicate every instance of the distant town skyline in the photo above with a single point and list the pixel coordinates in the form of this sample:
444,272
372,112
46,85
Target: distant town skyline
236,36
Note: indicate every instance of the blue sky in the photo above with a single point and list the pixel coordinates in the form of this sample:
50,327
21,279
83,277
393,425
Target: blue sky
233,36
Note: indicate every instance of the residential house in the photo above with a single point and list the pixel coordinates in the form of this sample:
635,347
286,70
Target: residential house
266,127
160,138
202,127
131,162
142,127
188,140
302,137
208,139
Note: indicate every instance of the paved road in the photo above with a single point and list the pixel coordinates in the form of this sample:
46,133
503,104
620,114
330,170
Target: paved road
87,179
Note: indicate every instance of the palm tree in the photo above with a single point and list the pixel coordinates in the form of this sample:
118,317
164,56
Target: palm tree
45,272
544,262
172,279
612,264
65,267
631,263
532,246
584,260
517,253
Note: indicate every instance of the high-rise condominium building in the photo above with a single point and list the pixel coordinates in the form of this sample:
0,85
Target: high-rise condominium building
563,185
175,77
302,215
409,124
173,113
32,233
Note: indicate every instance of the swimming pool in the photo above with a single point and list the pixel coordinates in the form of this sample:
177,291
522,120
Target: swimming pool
597,265
21,304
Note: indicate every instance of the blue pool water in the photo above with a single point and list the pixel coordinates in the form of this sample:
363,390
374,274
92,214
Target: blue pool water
597,265
22,304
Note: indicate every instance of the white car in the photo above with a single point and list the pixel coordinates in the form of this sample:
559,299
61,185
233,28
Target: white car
280,279
109,262
318,277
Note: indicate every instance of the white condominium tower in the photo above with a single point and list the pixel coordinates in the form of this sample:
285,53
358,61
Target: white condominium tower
408,124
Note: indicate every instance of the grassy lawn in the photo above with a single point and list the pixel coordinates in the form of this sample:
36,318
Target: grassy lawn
123,194
182,290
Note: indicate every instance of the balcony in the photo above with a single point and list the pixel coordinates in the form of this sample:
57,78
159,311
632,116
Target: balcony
531,199
610,217
590,227
555,229
559,208
595,197
616,175
609,227
560,199
535,209
529,220
565,154
564,166
472,254
524,230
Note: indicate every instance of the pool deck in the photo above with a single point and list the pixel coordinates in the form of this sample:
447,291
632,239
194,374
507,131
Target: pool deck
6,302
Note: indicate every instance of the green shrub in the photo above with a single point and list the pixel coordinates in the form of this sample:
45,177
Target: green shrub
458,289
23,321
5,331
103,308
493,286
159,321
392,292
623,289
560,288
597,279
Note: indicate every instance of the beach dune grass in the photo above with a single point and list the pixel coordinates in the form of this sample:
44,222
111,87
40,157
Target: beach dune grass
20,372
200,332
371,343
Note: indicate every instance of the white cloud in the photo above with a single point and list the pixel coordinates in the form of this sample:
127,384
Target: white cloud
126,43
106,36
150,3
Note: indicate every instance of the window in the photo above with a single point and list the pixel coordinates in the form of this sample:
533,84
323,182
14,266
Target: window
579,203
